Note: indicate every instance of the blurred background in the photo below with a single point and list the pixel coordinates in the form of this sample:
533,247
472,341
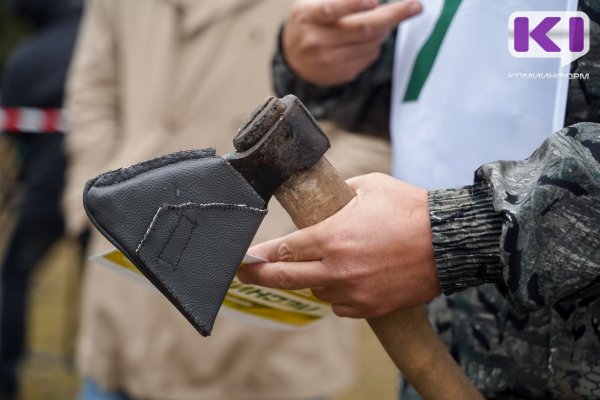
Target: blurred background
48,370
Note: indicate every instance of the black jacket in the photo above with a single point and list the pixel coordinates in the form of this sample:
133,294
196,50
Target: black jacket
35,73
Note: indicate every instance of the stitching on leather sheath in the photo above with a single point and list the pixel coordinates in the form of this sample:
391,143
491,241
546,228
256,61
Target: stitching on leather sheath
194,223
169,237
180,209
149,230
223,206
187,242
193,206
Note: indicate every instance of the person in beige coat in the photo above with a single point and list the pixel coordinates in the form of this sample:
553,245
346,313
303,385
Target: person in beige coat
156,76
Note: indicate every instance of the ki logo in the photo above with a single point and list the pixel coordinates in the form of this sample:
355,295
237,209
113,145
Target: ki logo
541,34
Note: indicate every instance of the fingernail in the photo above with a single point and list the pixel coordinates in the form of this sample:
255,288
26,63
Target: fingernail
414,8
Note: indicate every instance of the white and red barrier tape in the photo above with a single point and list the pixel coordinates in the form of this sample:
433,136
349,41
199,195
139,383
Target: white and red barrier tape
33,120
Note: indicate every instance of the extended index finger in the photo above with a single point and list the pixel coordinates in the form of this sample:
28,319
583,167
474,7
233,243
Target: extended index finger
330,11
286,275
384,18
301,245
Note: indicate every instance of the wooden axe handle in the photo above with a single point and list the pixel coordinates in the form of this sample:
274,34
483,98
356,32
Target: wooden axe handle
315,194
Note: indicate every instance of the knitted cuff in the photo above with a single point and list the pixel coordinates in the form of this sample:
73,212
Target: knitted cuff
466,237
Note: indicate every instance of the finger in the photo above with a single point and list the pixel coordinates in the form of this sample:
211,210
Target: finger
381,19
286,275
346,310
330,295
301,245
329,11
330,36
340,304
355,52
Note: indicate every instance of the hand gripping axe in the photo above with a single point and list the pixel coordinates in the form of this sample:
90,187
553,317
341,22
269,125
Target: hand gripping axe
186,220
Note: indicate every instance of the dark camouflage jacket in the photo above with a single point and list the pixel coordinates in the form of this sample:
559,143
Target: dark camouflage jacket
521,247
533,228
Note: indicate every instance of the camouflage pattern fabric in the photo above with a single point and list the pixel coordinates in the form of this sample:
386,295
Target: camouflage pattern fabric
533,228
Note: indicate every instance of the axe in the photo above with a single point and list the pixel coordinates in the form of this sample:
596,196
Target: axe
186,220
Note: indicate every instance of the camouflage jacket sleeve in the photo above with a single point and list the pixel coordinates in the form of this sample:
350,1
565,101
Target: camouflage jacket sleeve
362,105
532,227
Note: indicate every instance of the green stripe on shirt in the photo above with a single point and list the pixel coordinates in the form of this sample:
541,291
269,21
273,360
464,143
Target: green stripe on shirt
428,54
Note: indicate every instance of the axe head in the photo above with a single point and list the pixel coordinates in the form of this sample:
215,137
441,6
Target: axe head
186,219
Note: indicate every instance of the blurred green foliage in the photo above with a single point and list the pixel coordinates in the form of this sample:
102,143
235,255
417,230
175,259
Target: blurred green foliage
11,31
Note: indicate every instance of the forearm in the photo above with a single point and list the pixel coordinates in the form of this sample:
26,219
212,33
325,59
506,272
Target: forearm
531,225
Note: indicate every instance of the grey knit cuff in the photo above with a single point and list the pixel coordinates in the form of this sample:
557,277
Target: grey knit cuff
466,237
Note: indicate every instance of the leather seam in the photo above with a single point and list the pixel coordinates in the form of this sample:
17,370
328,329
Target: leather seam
195,206
187,242
180,211
239,207
169,239
224,206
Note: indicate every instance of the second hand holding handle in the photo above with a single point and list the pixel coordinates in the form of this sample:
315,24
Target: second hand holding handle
314,194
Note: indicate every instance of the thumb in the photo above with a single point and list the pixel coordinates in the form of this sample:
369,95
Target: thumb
330,11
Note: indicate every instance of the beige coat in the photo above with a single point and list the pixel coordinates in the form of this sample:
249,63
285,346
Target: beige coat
155,76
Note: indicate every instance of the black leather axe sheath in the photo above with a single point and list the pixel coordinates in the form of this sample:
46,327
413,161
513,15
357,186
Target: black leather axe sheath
185,220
